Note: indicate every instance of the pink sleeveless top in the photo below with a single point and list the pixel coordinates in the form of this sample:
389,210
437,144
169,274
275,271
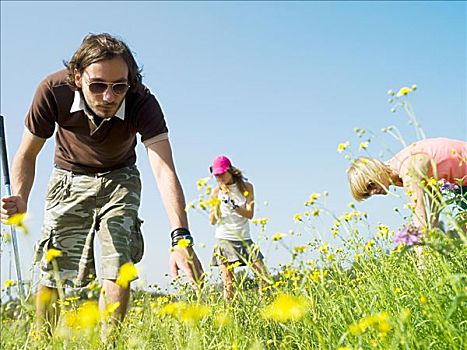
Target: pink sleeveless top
450,157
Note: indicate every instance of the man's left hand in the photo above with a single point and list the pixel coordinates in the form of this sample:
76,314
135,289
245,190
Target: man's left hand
185,259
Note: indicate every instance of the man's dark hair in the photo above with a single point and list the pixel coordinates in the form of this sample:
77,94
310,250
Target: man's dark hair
98,47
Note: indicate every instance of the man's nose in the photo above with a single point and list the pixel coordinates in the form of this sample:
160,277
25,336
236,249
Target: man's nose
109,95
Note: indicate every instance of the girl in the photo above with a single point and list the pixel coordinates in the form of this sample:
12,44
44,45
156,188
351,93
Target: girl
235,207
439,158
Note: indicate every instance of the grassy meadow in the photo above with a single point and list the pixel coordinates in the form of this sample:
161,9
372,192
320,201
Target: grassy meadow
367,293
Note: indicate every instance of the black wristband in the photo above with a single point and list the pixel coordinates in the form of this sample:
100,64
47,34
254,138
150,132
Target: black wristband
181,231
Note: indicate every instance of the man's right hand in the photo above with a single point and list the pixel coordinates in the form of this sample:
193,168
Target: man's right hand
12,205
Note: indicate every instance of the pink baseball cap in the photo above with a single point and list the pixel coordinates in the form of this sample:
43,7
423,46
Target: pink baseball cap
220,165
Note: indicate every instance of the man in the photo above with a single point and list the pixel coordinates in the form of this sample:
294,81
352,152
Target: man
98,104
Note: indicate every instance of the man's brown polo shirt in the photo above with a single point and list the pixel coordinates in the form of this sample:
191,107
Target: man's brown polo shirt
83,147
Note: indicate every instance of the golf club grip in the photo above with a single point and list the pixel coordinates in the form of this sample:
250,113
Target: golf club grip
6,172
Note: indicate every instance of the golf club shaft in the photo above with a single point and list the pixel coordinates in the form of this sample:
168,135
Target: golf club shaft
6,181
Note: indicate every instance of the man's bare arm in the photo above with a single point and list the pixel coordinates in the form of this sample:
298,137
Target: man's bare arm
22,174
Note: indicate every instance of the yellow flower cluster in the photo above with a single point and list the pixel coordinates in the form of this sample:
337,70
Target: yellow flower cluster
188,313
312,200
262,222
379,321
286,308
201,183
86,316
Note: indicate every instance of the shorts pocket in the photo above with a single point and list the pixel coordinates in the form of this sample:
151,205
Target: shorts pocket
136,242
55,190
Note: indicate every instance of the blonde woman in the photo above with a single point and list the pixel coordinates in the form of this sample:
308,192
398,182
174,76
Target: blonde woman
439,158
231,216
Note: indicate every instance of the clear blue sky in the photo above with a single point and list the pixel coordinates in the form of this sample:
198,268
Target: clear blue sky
273,85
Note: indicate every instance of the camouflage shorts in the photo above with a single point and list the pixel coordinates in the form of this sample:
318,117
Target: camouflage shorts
77,208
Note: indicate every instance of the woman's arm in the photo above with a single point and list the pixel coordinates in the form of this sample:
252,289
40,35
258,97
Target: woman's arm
412,176
214,213
249,209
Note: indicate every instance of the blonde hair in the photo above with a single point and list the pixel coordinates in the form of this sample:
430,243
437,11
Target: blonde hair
362,171
238,179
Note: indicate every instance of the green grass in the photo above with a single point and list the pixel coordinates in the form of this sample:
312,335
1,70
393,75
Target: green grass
417,308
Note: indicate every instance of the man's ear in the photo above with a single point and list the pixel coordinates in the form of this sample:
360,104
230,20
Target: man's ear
77,76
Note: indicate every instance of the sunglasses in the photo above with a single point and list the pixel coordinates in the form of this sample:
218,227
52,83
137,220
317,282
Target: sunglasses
99,87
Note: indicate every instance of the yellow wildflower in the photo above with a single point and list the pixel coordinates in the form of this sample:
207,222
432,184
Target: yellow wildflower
262,222
214,202
52,254
423,299
183,243
316,275
87,316
128,273
9,283
193,313
203,204
364,145
297,217
341,147
369,244
172,308
300,248
383,231
403,91
286,308
185,312
202,182
16,219
277,237
324,248
313,198
380,322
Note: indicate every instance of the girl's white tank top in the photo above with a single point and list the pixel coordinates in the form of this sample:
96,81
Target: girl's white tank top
231,225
